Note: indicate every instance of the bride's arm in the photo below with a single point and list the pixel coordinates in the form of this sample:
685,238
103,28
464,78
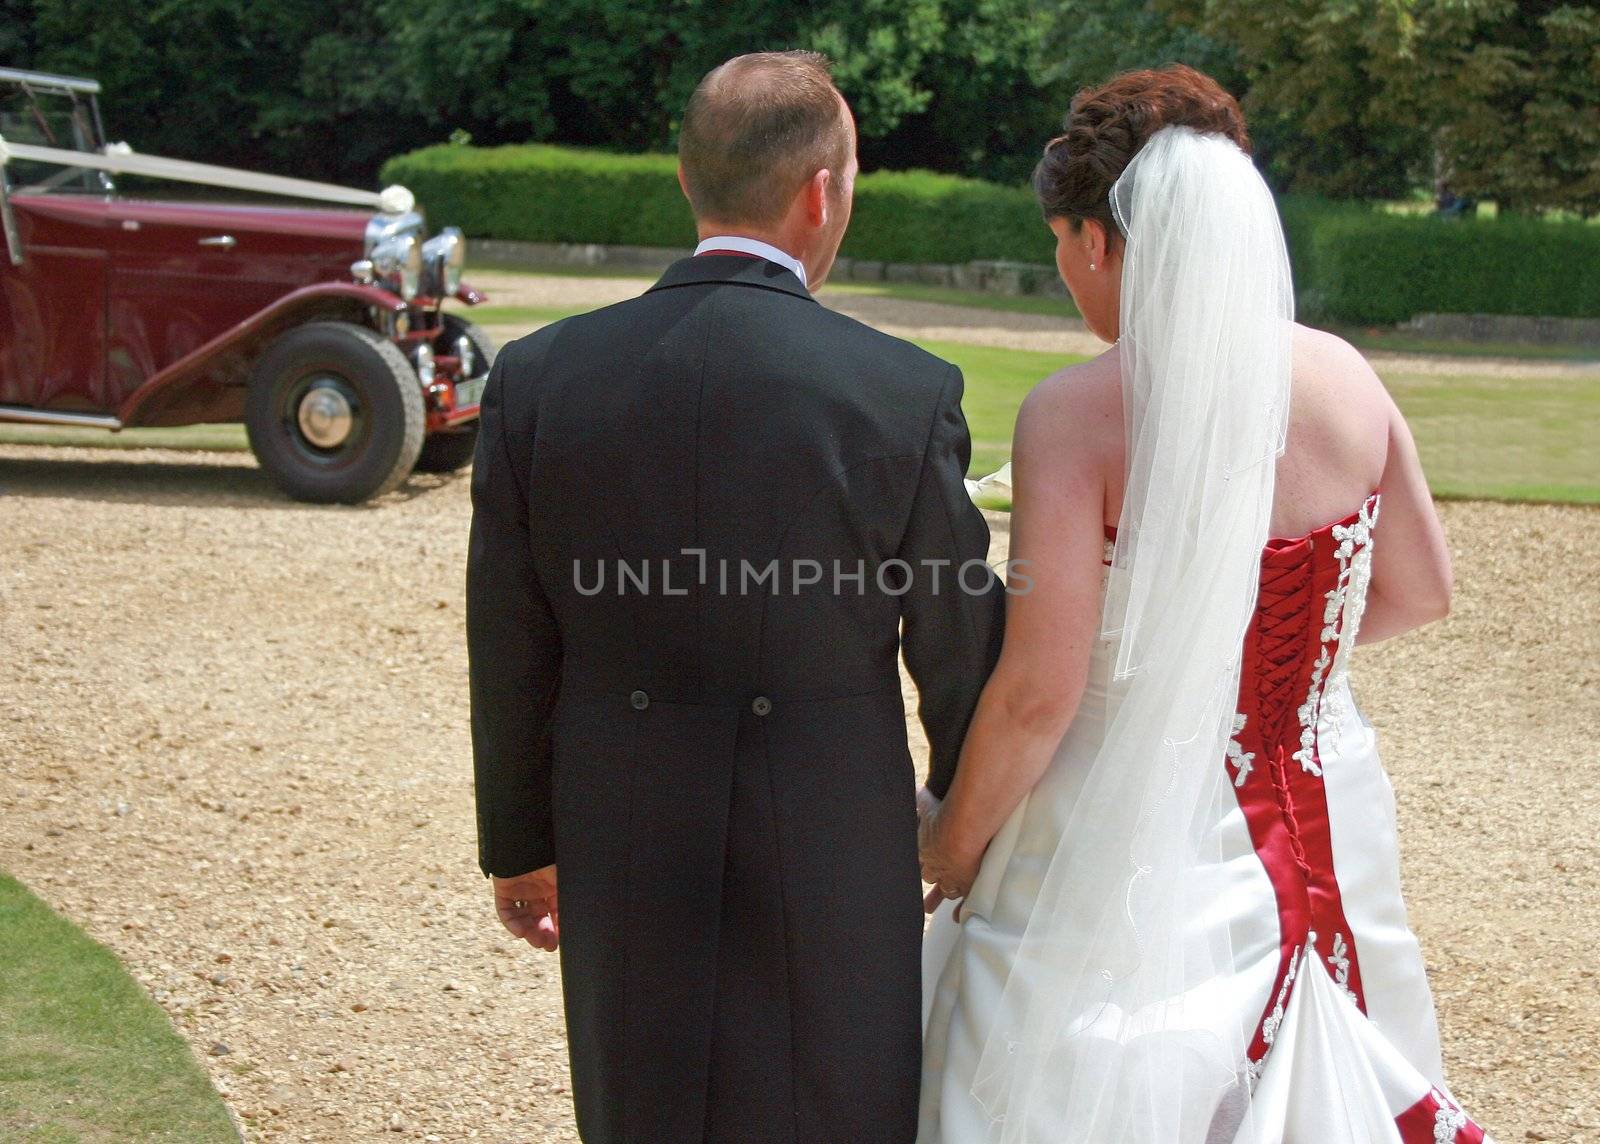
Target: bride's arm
1411,577
1059,460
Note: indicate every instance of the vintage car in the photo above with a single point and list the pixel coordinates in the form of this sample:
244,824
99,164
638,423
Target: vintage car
322,327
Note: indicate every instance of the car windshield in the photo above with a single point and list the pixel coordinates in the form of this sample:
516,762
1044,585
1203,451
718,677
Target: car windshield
49,119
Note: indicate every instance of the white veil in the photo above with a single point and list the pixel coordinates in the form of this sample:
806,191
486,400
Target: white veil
1104,1032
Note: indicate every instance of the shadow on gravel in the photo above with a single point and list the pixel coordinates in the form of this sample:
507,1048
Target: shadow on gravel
117,478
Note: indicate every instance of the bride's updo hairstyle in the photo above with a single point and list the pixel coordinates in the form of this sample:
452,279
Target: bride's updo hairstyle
1108,125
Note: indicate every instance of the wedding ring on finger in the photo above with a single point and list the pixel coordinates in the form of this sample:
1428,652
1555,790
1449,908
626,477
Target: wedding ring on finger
950,892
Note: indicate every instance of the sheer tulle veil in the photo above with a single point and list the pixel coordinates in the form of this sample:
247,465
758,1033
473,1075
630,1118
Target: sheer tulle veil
1104,1032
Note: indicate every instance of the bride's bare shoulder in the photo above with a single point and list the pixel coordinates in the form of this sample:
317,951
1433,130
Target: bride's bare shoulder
1319,353
1080,405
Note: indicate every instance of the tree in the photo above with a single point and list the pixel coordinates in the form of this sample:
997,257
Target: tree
296,86
16,32
321,90
618,72
1368,98
1092,40
1315,75
1509,94
986,108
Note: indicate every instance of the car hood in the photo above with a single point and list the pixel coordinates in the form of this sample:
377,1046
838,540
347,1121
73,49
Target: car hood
321,224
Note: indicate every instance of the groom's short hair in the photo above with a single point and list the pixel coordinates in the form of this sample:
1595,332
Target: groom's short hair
757,128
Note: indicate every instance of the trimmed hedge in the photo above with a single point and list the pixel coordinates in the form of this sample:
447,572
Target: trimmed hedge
1379,268
917,216
1351,263
540,193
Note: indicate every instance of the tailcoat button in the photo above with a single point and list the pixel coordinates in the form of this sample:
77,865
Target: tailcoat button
761,705
639,700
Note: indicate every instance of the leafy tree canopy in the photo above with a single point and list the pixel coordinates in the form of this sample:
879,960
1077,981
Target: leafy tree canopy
1498,99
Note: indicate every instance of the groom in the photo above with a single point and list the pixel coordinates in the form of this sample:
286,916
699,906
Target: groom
705,524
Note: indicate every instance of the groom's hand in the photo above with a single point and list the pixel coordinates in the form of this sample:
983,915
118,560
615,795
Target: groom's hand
528,909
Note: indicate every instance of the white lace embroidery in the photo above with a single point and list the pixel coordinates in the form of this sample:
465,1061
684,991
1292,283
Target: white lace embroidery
1242,760
1306,756
1355,547
1341,620
1355,573
1339,960
1270,1026
1448,1121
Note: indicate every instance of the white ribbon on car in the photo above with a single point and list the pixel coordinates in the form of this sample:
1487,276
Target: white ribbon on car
120,159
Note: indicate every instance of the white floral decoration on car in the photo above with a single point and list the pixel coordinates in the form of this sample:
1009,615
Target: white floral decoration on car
396,200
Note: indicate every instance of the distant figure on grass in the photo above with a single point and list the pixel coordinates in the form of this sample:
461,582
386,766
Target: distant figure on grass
685,685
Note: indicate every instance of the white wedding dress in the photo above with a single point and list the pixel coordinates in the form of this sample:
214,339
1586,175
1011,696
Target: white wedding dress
1191,930
1324,969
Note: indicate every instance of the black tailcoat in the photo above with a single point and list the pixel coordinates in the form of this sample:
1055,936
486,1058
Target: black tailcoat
717,763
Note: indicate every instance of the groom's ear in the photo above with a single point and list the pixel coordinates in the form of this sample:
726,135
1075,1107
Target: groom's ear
683,185
817,193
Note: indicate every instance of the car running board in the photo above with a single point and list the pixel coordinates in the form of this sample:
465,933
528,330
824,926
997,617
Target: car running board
51,417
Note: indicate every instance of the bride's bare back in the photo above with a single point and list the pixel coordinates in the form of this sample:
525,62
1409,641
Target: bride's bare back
1337,438
1345,439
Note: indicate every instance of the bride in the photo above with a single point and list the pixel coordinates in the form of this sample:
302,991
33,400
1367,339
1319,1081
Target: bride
1170,846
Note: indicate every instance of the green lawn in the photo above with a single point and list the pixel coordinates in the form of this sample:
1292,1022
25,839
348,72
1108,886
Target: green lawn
519,315
1401,342
1505,438
1054,306
1516,438
1480,437
219,438
1049,305
84,1054
997,381
907,291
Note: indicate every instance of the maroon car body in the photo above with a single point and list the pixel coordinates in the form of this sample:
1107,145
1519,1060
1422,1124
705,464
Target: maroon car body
124,311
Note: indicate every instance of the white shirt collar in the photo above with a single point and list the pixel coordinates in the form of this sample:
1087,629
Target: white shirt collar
758,248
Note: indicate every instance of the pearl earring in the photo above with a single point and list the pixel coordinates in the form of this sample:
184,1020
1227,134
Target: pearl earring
1091,266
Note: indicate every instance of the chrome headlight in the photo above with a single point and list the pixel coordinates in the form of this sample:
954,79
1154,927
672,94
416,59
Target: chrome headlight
443,256
397,264
382,226
427,369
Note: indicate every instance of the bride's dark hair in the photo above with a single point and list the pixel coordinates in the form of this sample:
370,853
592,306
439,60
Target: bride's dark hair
1108,125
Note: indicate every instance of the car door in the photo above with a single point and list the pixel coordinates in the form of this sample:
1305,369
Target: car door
53,321
177,280
185,272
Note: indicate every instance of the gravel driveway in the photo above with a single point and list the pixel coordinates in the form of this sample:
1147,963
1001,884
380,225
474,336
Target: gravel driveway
236,751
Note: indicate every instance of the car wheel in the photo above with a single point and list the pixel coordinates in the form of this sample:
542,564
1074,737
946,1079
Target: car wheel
334,413
450,449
